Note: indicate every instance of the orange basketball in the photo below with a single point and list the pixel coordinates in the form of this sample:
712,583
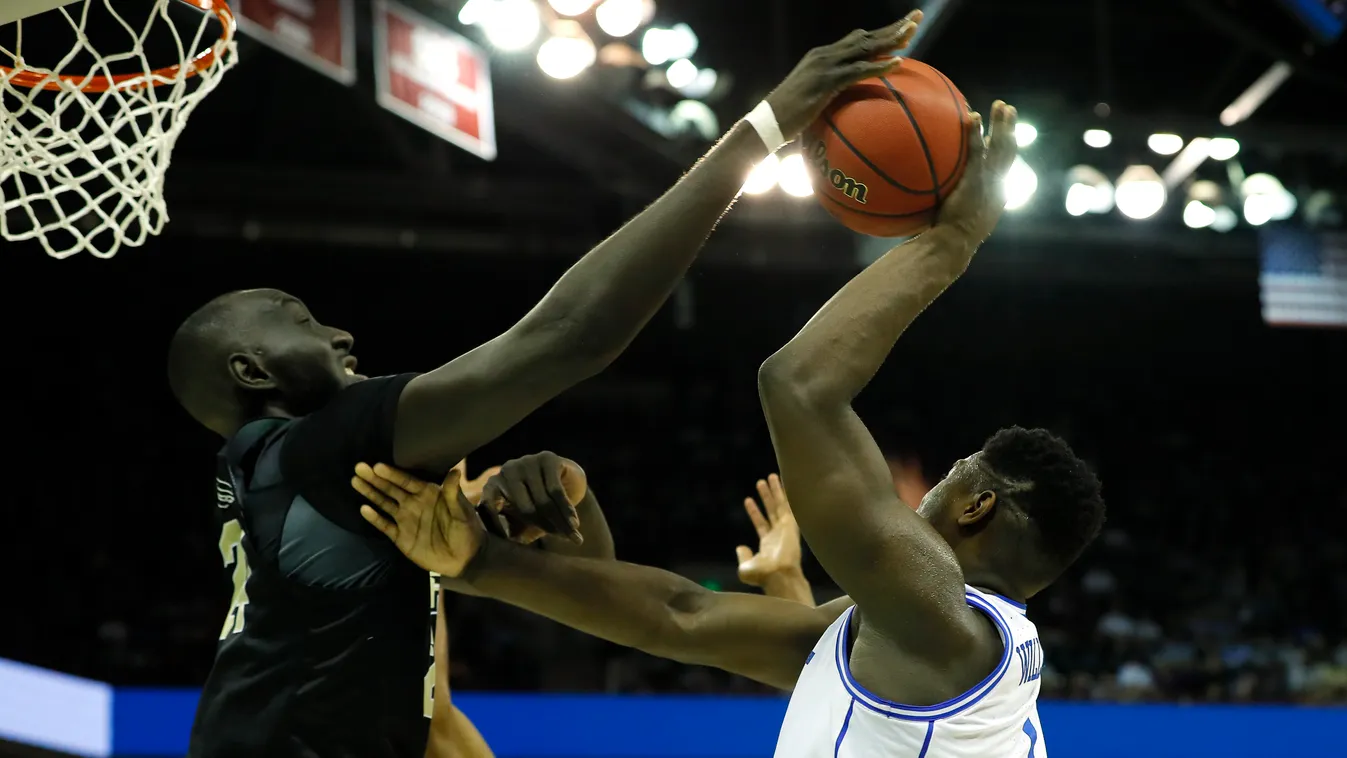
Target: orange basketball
889,149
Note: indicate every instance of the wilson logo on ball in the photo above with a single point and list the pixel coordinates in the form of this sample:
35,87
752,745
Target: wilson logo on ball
818,155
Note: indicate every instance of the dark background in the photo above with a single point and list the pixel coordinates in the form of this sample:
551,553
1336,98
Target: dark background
1223,570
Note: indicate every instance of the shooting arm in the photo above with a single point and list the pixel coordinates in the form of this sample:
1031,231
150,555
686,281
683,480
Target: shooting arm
587,319
900,572
765,639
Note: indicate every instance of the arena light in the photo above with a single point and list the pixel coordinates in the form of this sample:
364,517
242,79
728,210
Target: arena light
1198,215
1266,195
473,11
570,7
1140,193
703,85
659,46
793,176
681,73
1025,134
695,116
1225,219
1088,191
763,177
1098,137
618,18
567,54
1164,143
511,25
1222,148
1020,184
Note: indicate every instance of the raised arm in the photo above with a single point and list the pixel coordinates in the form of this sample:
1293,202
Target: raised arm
603,301
763,638
776,566
902,575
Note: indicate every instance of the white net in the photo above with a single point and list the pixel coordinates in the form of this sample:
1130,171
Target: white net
85,143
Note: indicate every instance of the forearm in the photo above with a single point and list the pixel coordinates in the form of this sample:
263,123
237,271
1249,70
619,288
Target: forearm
789,585
837,353
594,526
630,605
602,302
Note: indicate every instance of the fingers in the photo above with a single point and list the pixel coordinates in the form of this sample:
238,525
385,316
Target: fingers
743,554
402,479
863,45
760,523
778,495
384,485
380,522
1001,144
370,493
451,480
556,493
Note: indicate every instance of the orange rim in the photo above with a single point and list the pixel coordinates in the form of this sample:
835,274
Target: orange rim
100,83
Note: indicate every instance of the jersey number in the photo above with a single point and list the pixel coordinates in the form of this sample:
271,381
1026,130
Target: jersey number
231,549
1033,736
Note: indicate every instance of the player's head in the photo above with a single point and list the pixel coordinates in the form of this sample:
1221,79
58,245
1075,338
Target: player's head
1024,508
256,352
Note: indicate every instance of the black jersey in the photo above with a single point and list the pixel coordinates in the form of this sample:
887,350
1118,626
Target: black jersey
326,649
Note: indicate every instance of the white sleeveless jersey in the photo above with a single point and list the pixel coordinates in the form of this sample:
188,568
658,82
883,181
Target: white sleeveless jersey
832,716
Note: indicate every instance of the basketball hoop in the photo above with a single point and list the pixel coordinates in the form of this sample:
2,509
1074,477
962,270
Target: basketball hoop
86,143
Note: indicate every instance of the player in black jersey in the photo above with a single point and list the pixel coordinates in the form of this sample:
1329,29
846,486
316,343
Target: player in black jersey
323,652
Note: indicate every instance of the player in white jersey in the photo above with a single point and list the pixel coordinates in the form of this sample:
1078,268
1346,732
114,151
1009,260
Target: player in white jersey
931,654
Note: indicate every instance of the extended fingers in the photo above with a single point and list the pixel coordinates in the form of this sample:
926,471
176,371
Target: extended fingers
385,485
1001,144
380,522
372,494
760,523
401,479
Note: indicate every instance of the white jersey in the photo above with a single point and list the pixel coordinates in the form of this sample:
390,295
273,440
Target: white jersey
832,716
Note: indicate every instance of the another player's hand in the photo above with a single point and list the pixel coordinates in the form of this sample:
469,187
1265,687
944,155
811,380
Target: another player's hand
976,204
778,536
538,494
472,488
826,71
434,526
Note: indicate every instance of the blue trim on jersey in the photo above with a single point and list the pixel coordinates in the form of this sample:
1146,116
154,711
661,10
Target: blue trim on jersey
926,743
846,724
1003,599
926,712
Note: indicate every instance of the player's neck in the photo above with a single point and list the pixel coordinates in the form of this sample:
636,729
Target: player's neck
989,580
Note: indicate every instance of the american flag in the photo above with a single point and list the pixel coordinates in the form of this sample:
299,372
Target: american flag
1303,279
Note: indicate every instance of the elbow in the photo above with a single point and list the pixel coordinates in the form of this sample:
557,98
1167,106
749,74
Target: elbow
785,377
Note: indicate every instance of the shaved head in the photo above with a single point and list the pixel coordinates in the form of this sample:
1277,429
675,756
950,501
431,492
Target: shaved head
256,352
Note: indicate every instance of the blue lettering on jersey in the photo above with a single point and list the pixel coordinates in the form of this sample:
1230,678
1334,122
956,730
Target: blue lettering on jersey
1031,660
809,657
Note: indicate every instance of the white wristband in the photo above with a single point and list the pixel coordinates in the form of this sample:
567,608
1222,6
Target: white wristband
763,120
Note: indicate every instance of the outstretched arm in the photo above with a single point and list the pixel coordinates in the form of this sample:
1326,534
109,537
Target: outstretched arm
763,638
595,310
901,573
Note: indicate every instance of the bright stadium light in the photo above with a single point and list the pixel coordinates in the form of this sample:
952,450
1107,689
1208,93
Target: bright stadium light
1271,198
1020,182
1088,191
1025,134
511,25
681,73
618,18
1165,143
763,176
659,46
703,85
570,7
794,176
1098,138
1198,215
1140,193
566,56
1225,219
1222,148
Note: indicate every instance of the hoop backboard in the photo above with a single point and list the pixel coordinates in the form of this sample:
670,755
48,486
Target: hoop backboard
13,10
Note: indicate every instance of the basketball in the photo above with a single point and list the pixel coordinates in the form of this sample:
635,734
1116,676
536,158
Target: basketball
889,149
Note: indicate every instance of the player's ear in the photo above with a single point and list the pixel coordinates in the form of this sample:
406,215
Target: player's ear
246,372
978,509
